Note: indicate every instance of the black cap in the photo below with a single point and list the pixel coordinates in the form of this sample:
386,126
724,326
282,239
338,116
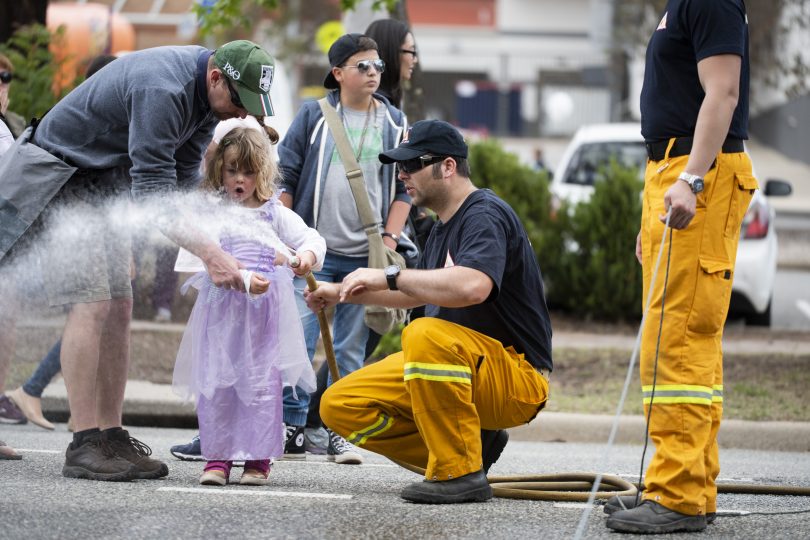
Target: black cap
340,51
428,137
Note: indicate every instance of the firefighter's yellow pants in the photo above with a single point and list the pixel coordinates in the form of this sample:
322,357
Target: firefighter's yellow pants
427,404
688,393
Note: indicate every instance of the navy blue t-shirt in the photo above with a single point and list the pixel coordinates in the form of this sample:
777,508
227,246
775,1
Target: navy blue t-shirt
690,31
486,234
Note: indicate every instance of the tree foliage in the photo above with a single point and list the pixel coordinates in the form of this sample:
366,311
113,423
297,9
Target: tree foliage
32,93
767,28
223,14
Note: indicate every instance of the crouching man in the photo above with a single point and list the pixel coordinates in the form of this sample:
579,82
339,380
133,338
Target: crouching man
478,362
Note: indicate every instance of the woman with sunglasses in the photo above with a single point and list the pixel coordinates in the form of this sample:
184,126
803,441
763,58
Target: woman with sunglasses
397,48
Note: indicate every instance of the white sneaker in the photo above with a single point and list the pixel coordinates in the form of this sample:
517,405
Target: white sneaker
342,451
163,315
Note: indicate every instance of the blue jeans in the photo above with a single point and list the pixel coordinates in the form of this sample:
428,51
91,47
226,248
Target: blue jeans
46,370
349,332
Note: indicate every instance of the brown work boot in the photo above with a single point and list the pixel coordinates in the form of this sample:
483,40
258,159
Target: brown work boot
94,459
136,453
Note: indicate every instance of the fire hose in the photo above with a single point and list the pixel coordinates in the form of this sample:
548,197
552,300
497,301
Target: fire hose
570,487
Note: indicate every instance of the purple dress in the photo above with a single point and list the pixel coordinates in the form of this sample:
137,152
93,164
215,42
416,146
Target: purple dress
237,352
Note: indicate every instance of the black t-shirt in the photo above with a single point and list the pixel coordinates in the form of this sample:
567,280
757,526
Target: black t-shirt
690,31
486,234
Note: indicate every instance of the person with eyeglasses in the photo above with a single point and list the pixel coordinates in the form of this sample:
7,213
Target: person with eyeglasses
314,185
478,362
398,49
152,113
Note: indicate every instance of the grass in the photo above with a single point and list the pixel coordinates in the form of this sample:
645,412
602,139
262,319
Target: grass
771,387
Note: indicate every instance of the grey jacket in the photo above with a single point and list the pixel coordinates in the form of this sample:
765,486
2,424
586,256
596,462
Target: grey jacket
307,147
148,112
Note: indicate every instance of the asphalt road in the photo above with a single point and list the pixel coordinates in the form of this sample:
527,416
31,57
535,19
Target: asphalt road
317,499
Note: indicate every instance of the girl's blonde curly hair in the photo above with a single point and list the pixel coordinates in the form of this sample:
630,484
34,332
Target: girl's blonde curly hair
254,153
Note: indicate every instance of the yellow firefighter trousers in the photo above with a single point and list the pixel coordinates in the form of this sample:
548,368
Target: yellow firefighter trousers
688,394
427,404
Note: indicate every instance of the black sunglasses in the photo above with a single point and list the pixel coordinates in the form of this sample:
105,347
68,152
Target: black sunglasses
234,95
6,76
364,65
411,166
409,51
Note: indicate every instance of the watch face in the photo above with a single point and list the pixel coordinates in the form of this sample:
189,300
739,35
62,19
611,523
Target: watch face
392,270
697,185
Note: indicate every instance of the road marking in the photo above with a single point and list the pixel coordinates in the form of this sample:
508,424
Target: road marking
804,307
578,506
35,451
215,491
311,462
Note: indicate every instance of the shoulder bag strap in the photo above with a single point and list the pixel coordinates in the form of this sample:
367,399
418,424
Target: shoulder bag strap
353,171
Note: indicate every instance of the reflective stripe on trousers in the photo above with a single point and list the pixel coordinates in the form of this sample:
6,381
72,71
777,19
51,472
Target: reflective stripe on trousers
688,400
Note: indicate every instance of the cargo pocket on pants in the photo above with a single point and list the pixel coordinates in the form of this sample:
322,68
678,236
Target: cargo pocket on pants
740,199
712,292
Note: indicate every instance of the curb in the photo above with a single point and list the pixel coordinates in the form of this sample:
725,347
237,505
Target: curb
160,406
591,428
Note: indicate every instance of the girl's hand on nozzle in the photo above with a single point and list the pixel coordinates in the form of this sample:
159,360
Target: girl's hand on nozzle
258,284
302,264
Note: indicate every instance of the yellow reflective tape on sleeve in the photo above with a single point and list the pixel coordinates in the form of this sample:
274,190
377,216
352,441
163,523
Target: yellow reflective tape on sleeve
677,393
438,372
717,393
382,425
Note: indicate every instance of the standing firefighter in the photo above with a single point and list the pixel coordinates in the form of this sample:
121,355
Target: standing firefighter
694,116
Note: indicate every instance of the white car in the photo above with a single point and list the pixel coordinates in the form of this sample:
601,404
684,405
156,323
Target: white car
592,148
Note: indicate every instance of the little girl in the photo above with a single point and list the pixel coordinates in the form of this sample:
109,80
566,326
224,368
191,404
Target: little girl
239,348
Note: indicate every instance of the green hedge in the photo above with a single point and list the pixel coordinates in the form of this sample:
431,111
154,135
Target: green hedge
586,252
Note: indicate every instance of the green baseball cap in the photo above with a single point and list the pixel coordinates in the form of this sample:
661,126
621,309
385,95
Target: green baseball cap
251,69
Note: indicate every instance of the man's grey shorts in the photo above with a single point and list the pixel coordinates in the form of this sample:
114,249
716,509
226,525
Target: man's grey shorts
85,244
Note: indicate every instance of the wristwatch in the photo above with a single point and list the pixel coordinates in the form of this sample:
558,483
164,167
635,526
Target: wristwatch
391,275
695,182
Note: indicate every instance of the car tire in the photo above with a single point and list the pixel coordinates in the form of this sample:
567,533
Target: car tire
760,319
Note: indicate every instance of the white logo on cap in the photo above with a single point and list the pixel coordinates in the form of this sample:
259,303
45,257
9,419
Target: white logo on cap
232,72
266,79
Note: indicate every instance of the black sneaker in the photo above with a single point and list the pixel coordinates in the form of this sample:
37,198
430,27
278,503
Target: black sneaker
626,502
95,459
190,451
9,412
471,487
492,445
294,448
649,517
136,453
342,451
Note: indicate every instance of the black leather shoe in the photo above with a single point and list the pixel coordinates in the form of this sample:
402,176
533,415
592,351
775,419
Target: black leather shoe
492,444
626,502
649,517
471,487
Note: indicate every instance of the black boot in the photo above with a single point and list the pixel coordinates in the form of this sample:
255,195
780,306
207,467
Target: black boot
626,502
471,487
492,445
649,517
